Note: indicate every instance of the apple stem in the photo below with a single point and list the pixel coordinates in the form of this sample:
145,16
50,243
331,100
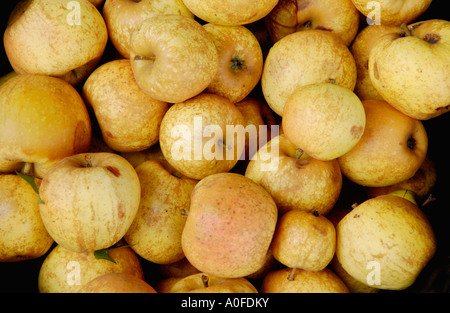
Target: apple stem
292,274
405,29
430,198
87,158
354,205
27,169
184,212
205,280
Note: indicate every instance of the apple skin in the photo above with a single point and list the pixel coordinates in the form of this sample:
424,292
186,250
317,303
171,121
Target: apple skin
420,61
173,58
240,61
40,40
129,119
296,183
42,120
323,58
341,18
90,200
22,233
230,215
123,16
391,149
117,283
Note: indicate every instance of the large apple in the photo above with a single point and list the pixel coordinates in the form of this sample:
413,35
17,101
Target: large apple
42,120
240,61
419,58
202,136
89,200
230,12
123,16
303,58
55,37
391,149
295,180
173,58
129,119
339,17
117,283
230,225
324,120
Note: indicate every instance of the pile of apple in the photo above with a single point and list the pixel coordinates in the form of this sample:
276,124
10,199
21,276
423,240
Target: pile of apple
115,144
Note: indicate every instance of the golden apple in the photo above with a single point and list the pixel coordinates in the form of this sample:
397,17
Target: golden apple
117,283
230,225
304,58
173,58
391,149
90,200
42,120
353,285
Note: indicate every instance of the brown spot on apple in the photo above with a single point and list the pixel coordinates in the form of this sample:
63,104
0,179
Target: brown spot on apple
302,4
356,131
431,38
114,170
375,71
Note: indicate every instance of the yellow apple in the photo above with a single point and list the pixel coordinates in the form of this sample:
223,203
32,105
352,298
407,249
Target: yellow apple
123,16
353,285
117,283
129,119
181,268
55,37
324,120
230,225
138,157
42,120
304,58
173,58
339,17
89,200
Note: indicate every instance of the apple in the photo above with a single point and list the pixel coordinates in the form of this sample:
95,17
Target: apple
6,77
22,233
339,17
117,283
230,225
137,157
55,37
392,12
324,120
123,16
304,58
181,268
353,285
202,135
360,49
302,281
230,12
385,242
65,271
240,61
173,58
296,181
155,233
418,57
42,120
129,119
98,3
391,149
205,283
89,200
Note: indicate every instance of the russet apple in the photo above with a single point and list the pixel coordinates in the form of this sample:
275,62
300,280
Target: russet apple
230,225
129,119
55,37
240,61
409,69
303,58
117,283
391,149
89,200
339,17
325,120
42,120
173,58
123,16
297,181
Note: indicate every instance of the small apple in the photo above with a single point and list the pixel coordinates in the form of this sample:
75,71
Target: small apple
173,58
296,181
117,283
89,200
339,17
123,16
304,58
391,149
230,225
240,61
129,119
324,120
230,12
42,120
60,38
417,57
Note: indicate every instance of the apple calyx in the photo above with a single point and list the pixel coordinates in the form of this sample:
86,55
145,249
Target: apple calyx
292,274
237,63
406,194
315,213
205,280
411,143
